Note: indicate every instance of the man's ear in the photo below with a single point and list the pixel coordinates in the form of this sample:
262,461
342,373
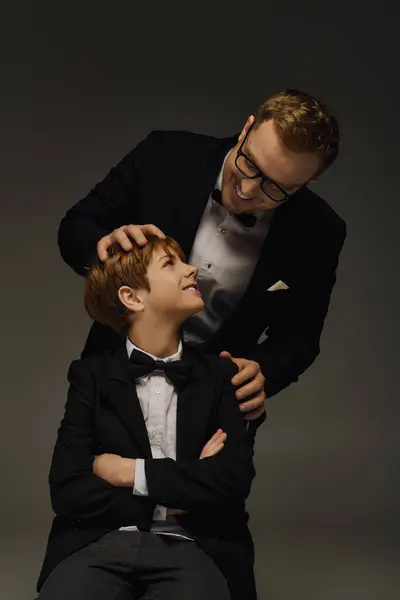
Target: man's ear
246,128
132,299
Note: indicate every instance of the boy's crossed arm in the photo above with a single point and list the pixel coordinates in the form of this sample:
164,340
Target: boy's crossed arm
78,493
223,479
121,472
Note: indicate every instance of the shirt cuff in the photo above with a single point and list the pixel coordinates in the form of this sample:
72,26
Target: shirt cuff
160,513
140,487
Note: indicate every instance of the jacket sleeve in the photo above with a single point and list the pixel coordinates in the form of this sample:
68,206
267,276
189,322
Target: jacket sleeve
76,492
224,479
109,205
293,341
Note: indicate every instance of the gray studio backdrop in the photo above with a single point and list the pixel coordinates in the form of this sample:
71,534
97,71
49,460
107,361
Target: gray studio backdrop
82,83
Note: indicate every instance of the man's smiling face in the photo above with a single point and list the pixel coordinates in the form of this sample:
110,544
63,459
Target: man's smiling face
287,168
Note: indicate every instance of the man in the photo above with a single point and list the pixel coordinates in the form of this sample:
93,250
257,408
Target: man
146,507
266,246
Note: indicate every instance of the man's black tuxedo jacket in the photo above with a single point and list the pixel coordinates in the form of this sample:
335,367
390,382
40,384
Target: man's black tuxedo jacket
166,180
103,415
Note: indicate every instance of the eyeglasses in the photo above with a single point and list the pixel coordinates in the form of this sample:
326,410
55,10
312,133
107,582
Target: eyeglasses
249,169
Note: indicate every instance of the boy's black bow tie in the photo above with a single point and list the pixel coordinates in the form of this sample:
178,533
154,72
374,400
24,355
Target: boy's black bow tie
246,219
178,371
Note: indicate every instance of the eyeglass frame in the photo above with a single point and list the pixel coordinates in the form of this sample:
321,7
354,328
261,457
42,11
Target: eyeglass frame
260,174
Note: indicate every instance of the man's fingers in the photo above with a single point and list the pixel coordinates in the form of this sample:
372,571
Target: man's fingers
102,247
226,354
139,232
249,371
152,230
135,232
121,237
118,236
124,236
254,403
254,414
254,386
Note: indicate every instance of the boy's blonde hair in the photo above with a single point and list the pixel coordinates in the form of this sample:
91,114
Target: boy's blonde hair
122,268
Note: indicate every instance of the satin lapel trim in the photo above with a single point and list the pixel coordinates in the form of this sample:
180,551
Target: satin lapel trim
123,399
194,192
195,402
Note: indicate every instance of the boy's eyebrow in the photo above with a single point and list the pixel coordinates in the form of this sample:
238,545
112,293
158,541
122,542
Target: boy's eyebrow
165,256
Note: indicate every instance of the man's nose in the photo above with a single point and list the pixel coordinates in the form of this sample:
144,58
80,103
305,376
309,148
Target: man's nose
250,187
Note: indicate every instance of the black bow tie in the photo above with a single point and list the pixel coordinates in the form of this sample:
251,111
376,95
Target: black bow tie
246,219
178,371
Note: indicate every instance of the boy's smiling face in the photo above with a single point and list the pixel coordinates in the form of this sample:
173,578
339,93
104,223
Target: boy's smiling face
173,285
173,290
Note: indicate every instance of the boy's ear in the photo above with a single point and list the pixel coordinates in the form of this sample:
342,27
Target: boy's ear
131,299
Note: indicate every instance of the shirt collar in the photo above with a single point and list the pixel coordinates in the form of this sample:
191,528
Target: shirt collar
130,346
218,183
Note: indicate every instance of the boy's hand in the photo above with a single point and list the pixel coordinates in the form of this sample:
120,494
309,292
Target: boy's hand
175,512
249,370
115,469
120,472
213,446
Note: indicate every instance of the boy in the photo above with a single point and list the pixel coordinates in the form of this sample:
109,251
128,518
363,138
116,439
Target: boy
153,460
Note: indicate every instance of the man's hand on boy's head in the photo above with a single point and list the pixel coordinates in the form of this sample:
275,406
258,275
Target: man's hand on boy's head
123,236
249,371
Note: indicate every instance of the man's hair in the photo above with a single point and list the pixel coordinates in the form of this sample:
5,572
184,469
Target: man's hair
122,268
303,123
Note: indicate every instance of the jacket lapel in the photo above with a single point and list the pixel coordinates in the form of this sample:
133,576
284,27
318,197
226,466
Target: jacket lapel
283,247
271,266
269,262
124,400
193,411
193,405
194,191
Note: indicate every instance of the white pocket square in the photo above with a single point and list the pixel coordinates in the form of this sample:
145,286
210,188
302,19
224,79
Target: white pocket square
279,285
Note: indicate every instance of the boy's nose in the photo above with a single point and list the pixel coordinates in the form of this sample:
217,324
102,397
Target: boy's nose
192,271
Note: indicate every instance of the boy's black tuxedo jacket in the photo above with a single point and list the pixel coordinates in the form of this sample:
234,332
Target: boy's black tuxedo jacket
103,415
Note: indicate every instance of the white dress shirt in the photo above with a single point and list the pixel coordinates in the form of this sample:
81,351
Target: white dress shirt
226,253
158,401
